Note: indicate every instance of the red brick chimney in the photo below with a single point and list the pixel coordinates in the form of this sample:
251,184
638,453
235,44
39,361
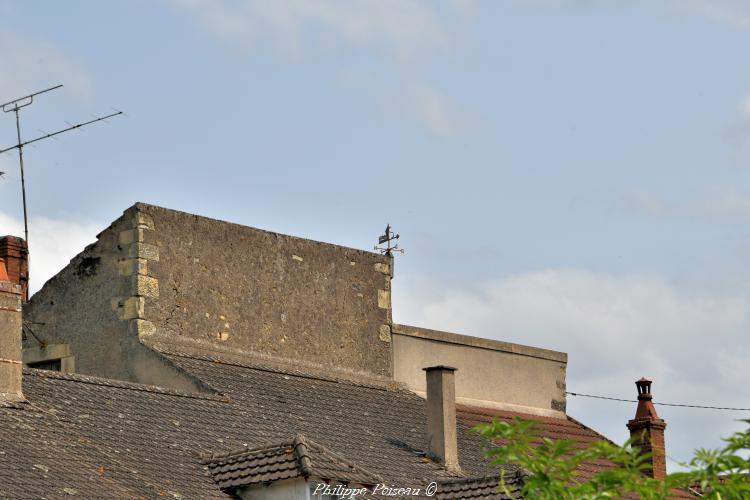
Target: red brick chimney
647,431
10,338
14,252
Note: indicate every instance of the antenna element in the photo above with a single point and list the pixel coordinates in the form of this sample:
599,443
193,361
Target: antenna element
15,106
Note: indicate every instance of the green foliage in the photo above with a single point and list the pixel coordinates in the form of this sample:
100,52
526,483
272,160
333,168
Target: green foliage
553,467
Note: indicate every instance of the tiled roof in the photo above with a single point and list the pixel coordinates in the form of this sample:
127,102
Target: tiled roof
547,427
93,435
297,458
44,457
485,488
380,429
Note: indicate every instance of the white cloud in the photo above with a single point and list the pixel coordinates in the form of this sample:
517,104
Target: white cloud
745,106
28,65
437,112
735,13
402,28
693,344
53,242
729,204
405,31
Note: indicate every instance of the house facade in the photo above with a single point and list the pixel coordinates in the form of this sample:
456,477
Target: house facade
179,356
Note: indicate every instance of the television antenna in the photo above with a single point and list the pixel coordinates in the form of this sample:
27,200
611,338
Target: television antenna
388,237
15,106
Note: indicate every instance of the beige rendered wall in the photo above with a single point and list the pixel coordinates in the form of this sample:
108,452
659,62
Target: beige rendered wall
489,373
290,489
10,340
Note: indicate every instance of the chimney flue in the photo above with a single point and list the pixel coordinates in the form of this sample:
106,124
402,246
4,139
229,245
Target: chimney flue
15,253
11,368
647,430
441,416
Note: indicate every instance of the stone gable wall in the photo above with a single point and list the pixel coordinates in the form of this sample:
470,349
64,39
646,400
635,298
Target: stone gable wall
183,279
230,286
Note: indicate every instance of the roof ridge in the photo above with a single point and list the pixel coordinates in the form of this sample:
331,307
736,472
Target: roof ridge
340,459
121,384
473,479
207,457
604,438
303,457
489,411
272,367
301,447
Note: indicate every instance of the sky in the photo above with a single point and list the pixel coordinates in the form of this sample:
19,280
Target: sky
567,174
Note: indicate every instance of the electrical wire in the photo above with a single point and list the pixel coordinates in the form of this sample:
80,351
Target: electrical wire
657,403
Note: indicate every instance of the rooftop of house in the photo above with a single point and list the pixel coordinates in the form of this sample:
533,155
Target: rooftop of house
196,358
79,434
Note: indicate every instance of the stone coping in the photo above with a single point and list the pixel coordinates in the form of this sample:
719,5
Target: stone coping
466,340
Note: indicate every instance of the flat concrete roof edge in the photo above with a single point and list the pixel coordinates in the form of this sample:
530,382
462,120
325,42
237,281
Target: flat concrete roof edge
494,345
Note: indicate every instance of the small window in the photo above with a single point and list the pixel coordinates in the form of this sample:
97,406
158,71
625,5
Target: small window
49,364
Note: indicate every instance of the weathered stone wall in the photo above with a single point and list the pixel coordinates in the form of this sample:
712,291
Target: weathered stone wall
220,284
489,373
95,305
182,279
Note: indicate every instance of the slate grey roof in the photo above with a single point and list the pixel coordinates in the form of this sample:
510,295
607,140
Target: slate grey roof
96,438
485,488
297,458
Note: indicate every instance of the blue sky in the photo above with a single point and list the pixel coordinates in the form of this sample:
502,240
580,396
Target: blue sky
566,174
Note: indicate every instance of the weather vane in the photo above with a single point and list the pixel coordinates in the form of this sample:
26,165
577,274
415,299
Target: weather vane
388,237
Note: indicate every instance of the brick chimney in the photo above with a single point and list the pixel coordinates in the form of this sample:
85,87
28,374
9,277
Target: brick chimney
647,430
10,337
15,253
441,416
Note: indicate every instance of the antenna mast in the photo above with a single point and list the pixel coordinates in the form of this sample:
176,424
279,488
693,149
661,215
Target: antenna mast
15,106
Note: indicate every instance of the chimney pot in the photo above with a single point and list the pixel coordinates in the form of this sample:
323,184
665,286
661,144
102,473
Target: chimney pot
441,416
15,254
647,430
644,388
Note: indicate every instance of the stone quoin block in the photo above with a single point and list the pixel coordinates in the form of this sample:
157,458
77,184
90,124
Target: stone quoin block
142,328
146,286
385,333
144,251
130,308
144,221
129,267
382,268
384,299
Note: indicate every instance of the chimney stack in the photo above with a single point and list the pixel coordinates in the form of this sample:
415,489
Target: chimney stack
15,253
441,416
647,431
11,367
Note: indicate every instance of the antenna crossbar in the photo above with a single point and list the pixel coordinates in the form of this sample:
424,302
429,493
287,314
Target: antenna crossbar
52,134
24,101
15,107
